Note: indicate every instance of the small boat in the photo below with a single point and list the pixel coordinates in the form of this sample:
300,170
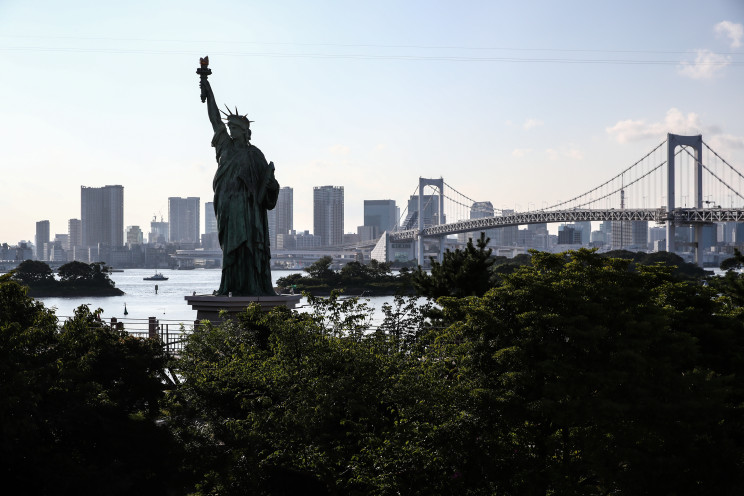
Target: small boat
157,277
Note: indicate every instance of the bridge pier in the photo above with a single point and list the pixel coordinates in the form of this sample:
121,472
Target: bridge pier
696,143
423,182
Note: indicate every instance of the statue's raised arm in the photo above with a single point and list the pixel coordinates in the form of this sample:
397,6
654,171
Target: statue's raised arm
207,94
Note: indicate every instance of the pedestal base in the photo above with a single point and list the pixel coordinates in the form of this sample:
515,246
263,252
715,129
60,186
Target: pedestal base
209,306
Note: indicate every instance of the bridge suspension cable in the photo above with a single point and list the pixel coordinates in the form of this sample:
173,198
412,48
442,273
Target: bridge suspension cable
618,176
713,173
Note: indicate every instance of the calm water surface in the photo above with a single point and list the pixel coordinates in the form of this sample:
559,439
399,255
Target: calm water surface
168,303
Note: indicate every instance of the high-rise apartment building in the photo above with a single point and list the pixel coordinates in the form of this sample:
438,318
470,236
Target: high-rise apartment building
75,232
42,239
281,218
210,219
183,219
328,214
102,215
381,215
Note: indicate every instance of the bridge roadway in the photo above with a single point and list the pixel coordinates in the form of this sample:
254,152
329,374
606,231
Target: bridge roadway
680,216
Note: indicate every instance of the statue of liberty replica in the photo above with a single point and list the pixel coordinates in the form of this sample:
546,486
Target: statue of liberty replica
244,189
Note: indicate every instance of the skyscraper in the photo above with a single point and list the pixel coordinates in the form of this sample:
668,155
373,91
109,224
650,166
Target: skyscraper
210,219
183,219
381,215
75,231
42,239
328,214
102,215
430,208
480,210
281,218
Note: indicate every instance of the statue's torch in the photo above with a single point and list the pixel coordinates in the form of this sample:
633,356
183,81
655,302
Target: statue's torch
203,72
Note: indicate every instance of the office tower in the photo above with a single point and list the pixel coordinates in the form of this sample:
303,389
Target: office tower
75,231
42,239
381,215
431,212
102,215
210,219
585,227
328,214
285,210
134,236
627,234
281,218
480,210
183,219
569,234
63,240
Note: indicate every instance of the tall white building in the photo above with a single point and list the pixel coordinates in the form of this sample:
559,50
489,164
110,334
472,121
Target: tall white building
328,214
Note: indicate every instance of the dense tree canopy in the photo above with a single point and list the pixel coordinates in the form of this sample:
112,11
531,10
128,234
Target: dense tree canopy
78,404
75,278
461,273
575,373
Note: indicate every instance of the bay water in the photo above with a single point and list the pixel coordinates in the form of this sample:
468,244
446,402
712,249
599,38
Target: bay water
167,303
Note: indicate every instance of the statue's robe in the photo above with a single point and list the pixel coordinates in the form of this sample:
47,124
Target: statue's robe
244,189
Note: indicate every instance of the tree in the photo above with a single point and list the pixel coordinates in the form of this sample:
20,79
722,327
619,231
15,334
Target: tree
321,270
34,272
289,403
79,404
461,273
585,375
75,271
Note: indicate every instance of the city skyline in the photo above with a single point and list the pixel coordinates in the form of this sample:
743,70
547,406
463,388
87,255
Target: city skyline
512,104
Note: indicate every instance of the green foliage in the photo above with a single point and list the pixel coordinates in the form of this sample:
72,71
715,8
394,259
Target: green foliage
585,376
76,278
354,278
288,403
321,270
34,272
461,273
681,269
734,263
79,404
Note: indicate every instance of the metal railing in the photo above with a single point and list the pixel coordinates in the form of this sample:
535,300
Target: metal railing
170,333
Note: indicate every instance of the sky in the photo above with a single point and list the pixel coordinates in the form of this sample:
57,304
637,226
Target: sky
519,103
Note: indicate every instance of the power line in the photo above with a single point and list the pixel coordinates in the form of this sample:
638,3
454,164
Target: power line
360,56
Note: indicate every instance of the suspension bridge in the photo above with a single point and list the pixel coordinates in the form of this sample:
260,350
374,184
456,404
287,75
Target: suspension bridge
680,182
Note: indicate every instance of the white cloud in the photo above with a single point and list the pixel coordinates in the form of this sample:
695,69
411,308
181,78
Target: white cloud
568,151
530,123
707,65
674,122
339,149
727,141
730,30
520,152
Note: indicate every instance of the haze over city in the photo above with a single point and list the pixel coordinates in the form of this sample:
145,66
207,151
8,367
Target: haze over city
516,104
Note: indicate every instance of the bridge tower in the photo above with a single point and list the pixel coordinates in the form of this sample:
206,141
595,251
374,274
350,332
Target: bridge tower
437,183
696,143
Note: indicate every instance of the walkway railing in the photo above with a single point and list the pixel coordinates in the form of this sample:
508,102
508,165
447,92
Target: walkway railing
170,333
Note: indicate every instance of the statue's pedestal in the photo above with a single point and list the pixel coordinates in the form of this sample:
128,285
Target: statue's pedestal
209,306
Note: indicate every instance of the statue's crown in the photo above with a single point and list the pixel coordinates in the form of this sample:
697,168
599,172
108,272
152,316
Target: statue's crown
236,118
